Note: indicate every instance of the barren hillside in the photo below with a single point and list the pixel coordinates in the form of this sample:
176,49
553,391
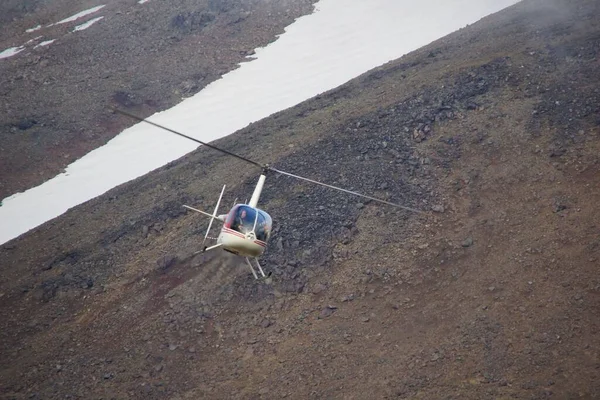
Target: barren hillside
494,131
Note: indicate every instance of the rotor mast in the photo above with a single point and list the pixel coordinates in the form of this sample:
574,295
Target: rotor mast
257,190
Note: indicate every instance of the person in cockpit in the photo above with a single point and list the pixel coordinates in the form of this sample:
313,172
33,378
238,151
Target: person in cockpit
262,231
239,221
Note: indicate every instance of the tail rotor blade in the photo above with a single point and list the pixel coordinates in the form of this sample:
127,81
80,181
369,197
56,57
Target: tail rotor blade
214,215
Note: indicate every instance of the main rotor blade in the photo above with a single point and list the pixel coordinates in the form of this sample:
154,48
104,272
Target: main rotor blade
261,166
186,136
346,191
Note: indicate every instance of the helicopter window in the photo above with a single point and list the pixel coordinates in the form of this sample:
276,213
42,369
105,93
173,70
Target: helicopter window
243,221
244,218
263,226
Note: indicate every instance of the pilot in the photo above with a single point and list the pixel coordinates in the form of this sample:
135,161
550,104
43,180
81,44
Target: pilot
239,221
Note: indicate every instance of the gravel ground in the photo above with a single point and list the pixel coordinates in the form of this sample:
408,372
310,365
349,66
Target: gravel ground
493,131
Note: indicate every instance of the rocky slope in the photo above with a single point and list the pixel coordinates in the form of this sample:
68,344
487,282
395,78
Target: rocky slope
142,57
493,293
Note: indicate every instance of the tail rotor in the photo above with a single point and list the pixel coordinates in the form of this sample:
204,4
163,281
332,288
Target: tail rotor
214,215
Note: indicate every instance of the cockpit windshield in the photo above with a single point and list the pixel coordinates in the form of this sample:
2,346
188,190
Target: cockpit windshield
244,218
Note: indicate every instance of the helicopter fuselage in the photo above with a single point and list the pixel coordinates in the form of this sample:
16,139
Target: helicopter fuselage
240,244
246,230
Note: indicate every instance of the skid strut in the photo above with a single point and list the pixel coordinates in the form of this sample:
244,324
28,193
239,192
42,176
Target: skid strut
252,268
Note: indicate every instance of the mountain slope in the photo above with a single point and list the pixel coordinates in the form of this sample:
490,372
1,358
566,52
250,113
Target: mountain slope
493,293
142,57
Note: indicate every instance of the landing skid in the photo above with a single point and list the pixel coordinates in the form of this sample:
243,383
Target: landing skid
216,246
205,249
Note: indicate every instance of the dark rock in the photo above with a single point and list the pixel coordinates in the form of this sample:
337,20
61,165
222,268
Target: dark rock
418,136
292,287
266,323
326,312
221,6
529,385
158,227
166,262
438,208
558,206
48,266
279,244
557,152
192,21
125,99
468,242
347,298
319,288
25,124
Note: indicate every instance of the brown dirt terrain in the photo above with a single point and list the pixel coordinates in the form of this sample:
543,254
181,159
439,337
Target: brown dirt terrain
494,292
141,57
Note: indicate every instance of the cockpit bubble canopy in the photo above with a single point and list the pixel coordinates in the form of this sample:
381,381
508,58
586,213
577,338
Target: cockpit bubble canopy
245,219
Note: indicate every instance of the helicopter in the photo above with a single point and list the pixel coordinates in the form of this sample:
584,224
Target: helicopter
246,229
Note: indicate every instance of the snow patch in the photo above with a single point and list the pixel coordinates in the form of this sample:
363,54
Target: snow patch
11,52
35,28
87,24
80,15
33,40
142,1
44,43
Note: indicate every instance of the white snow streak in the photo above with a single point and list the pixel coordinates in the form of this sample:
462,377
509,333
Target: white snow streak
33,29
86,24
44,43
80,15
11,52
34,39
